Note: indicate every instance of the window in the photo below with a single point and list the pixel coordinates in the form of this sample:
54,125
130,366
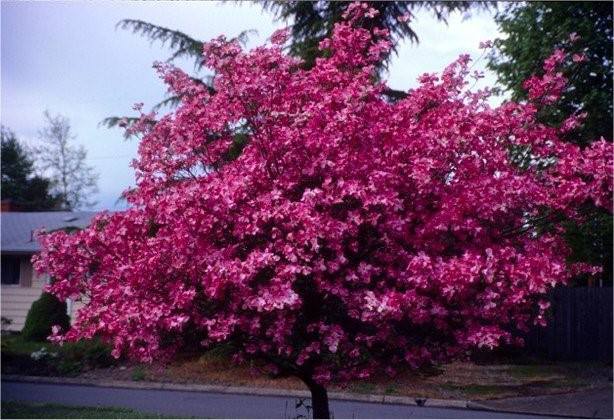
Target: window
10,269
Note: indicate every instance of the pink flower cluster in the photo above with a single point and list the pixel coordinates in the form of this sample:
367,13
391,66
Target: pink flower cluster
351,234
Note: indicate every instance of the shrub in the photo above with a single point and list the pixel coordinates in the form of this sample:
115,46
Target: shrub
20,356
46,312
24,364
87,354
138,374
6,322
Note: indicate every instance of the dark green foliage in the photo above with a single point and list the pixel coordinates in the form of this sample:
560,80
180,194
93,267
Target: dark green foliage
27,191
314,20
591,242
240,139
182,44
533,30
23,364
139,373
67,360
84,354
15,344
124,122
45,312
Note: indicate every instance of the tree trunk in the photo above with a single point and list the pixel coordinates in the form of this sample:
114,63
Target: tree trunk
319,401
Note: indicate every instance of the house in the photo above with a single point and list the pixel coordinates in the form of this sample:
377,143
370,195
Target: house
20,284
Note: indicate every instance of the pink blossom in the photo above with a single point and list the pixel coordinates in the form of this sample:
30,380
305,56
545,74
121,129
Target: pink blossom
578,58
352,234
573,122
404,17
371,13
280,36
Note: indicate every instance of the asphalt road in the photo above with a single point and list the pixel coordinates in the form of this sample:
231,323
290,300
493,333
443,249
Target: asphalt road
218,405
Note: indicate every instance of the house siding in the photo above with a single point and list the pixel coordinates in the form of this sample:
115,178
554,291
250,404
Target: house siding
16,302
17,299
18,241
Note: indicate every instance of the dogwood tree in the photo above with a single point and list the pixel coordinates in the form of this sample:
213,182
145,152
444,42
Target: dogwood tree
350,235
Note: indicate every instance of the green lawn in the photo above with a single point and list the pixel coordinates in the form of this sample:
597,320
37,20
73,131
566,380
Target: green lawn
17,345
17,410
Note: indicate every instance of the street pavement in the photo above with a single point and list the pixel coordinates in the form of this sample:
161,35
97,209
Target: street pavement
592,403
221,405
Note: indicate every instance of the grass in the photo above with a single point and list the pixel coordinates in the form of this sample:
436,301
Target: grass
483,391
138,373
17,345
363,388
391,390
18,410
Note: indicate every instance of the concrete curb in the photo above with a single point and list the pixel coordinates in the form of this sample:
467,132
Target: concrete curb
345,396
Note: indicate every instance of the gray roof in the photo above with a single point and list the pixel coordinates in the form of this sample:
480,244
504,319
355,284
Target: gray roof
18,227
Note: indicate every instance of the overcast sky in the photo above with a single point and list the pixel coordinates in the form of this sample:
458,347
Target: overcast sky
68,58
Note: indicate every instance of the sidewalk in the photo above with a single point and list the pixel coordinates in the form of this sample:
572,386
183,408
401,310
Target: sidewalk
594,403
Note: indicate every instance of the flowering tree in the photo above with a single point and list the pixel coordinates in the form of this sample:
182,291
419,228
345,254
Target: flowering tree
351,234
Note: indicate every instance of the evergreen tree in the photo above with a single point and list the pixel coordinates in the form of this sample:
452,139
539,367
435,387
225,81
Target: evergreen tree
313,21
27,191
533,30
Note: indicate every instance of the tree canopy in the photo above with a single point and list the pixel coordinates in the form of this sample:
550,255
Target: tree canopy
74,181
352,235
26,190
312,22
532,30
